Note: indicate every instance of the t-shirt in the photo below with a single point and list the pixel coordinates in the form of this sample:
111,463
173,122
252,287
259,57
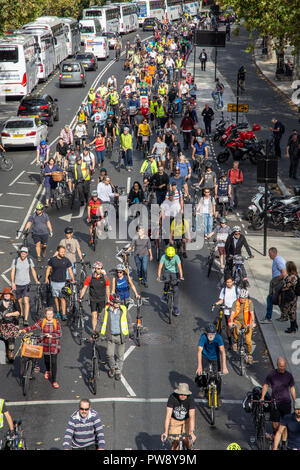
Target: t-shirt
210,349
141,246
222,234
71,245
39,223
277,265
209,179
179,182
59,267
159,148
280,384
293,427
229,296
181,408
223,187
170,264
22,273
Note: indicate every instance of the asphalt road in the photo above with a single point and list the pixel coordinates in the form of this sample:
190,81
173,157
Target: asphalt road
132,410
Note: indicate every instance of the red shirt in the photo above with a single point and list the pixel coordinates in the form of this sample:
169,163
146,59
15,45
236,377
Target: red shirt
88,280
145,111
235,175
94,206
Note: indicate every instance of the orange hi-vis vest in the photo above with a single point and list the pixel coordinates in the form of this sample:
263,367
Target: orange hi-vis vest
247,315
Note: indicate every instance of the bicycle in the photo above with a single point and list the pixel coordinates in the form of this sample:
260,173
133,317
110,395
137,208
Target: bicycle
122,256
216,96
78,319
241,348
180,438
25,234
212,255
238,271
212,379
95,365
145,140
109,148
6,163
82,273
169,292
60,193
259,421
30,352
94,237
15,440
139,329
218,322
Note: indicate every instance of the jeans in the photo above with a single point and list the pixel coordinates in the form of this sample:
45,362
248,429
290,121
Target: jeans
141,263
128,157
269,308
171,74
100,154
207,123
214,95
208,223
160,196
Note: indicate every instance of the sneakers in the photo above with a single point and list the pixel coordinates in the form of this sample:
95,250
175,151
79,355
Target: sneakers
145,284
57,315
47,375
118,376
176,312
164,298
64,317
111,373
26,323
55,385
265,321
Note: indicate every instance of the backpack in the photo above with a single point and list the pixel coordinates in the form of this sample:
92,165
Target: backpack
44,323
28,258
236,292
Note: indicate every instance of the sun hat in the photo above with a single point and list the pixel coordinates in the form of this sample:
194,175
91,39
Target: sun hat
183,389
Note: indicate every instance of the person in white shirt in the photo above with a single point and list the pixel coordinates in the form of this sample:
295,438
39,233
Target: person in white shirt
184,89
228,295
80,131
170,65
106,195
89,158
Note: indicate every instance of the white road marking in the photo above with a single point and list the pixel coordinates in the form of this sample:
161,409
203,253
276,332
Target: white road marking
255,383
112,400
41,189
19,194
6,279
129,351
12,207
127,386
25,182
9,221
20,174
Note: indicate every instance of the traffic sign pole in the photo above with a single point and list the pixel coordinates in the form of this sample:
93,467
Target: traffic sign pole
237,99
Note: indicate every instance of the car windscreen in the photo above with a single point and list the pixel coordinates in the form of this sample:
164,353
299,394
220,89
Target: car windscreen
33,102
87,29
84,56
9,54
19,124
71,68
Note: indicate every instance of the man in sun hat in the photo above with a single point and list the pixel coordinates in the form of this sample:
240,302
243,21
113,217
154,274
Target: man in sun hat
180,416
291,423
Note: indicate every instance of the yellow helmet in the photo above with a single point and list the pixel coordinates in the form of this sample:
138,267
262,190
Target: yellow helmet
233,446
170,251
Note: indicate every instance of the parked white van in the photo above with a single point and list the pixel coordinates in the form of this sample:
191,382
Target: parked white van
98,46
89,29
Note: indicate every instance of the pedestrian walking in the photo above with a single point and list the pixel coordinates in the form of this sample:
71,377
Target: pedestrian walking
278,130
227,31
208,116
82,178
116,328
283,388
41,227
142,254
289,298
290,424
236,179
52,333
203,59
293,153
278,274
84,430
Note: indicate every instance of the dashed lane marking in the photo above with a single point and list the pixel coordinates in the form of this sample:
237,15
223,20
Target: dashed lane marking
9,221
11,207
17,177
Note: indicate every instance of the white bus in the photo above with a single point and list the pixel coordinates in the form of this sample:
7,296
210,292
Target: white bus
173,9
108,17
128,17
73,35
56,26
150,8
89,29
191,8
19,60
46,63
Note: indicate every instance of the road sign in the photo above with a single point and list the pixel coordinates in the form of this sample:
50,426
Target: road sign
242,108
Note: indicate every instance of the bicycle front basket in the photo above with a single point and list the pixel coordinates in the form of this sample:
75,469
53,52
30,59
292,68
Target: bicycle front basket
32,350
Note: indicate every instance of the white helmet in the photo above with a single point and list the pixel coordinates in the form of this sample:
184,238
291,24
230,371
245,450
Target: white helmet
236,228
243,294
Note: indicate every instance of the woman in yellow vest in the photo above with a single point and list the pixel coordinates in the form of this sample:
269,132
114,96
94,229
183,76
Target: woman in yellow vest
52,333
117,328
82,180
242,316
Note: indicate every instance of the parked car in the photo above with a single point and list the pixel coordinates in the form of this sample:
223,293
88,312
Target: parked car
72,73
150,24
88,60
21,131
112,39
39,105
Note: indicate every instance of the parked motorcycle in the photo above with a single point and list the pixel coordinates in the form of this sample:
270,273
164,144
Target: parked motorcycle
281,212
257,203
241,149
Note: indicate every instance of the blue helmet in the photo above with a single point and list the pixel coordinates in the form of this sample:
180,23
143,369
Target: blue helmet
211,329
43,142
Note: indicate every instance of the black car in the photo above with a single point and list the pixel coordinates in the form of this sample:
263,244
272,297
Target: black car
150,24
40,105
88,60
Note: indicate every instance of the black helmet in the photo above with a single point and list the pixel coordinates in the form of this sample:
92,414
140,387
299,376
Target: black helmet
69,230
223,173
211,329
208,164
115,298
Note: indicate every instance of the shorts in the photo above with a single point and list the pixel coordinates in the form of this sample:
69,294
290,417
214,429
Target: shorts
22,291
279,411
70,175
178,426
40,238
56,288
221,250
97,305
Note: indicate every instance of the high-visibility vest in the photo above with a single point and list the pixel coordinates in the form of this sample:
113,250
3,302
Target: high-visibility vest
151,106
1,414
162,90
179,63
160,111
124,323
85,172
91,97
114,99
247,314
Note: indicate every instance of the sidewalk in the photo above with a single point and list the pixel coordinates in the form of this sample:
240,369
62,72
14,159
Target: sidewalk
259,271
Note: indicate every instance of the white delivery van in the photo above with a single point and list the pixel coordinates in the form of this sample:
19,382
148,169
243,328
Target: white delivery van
89,29
98,46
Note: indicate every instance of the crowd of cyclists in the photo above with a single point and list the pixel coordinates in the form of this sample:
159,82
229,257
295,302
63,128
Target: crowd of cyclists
136,117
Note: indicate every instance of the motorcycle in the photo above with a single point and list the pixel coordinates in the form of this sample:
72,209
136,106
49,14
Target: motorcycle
232,132
241,149
257,204
279,211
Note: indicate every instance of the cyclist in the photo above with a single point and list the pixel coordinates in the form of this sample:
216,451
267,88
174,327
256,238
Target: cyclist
170,264
82,177
210,347
99,119
95,214
159,150
199,154
67,135
114,100
144,130
42,153
186,127
222,189
112,82
80,132
81,116
233,246
218,91
242,316
180,416
61,150
69,166
121,284
103,91
180,231
41,228
91,97
209,177
136,194
228,295
126,148
110,131
221,231
72,248
99,290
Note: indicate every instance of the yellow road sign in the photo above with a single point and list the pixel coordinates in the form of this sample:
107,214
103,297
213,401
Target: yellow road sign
243,108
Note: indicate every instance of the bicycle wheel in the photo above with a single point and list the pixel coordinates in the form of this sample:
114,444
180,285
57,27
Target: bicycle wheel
38,306
210,263
93,379
26,376
219,325
157,250
170,306
58,200
82,278
261,435
79,327
6,164
242,363
212,401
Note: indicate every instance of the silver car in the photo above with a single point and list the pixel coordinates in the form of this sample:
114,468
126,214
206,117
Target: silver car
72,73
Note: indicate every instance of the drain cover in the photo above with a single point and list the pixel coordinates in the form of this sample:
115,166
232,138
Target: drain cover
156,338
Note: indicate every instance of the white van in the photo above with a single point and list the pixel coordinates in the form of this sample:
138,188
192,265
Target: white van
98,46
89,29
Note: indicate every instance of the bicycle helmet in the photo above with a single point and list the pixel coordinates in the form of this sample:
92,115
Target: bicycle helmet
126,129
120,267
43,142
233,446
208,165
110,113
236,228
103,169
223,220
243,294
223,173
211,329
69,230
94,193
115,298
170,251
66,291
97,264
39,206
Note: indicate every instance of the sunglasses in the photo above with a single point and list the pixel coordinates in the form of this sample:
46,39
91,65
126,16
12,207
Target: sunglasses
119,272
84,409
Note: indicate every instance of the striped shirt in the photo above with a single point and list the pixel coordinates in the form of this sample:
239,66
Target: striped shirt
83,433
